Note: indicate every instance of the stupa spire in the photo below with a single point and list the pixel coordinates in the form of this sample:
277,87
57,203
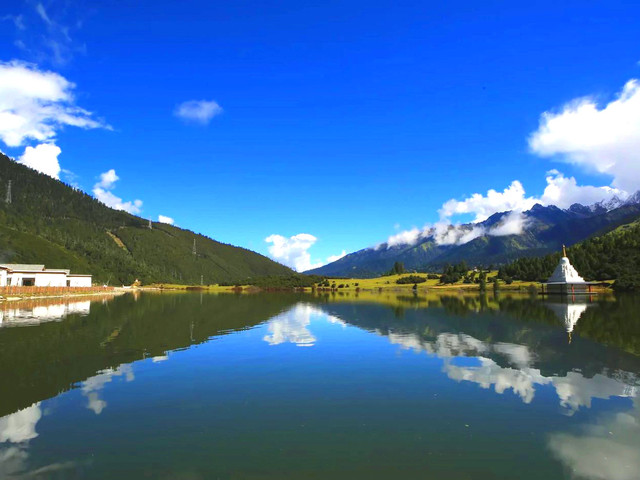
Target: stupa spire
564,251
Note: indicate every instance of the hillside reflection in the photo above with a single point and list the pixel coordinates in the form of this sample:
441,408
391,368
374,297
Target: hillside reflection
572,354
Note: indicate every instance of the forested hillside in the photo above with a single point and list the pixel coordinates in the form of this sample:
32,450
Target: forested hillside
614,255
48,222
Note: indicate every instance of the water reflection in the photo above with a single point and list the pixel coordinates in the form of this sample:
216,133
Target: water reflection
569,310
605,449
291,327
20,426
496,351
23,313
92,386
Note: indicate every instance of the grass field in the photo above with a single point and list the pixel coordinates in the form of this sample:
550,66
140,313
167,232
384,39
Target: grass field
389,283
385,283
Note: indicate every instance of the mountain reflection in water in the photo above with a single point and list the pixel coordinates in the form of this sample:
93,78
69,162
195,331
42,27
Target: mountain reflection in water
574,362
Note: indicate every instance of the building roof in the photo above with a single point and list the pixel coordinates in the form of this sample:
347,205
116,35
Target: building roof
56,270
22,267
79,275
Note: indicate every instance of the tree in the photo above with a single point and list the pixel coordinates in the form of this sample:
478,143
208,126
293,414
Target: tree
398,268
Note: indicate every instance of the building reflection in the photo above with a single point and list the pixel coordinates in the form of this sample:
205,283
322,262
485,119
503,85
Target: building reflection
569,310
34,312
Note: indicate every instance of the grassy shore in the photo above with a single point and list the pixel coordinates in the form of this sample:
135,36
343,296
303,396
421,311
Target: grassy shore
379,284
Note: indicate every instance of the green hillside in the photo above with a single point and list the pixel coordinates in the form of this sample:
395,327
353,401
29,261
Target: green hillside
612,255
51,223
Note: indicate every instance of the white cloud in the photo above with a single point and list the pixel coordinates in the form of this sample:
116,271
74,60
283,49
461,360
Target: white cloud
564,191
167,220
40,10
333,258
405,237
560,191
108,179
102,191
199,111
294,251
483,206
511,224
35,104
43,158
605,140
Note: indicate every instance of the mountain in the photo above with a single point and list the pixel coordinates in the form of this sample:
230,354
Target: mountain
545,230
48,222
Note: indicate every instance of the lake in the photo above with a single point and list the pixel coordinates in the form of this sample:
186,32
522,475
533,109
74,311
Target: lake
276,386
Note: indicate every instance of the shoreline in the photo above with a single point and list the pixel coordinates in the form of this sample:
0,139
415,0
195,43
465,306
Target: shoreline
18,298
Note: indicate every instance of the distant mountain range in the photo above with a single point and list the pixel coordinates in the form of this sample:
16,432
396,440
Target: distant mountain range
542,230
48,222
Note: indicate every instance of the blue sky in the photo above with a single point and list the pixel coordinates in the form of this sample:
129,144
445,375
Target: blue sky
347,121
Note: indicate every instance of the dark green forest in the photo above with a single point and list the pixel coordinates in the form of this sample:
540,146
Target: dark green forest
612,256
48,222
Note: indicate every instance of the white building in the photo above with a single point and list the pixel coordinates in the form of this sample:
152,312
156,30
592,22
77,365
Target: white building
24,275
565,279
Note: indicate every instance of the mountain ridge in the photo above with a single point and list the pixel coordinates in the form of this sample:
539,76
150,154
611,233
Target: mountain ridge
546,229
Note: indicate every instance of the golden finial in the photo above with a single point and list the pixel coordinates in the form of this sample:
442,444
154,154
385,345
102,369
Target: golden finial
564,251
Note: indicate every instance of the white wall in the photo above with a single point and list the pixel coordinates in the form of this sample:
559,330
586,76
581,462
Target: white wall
43,279
77,281
3,278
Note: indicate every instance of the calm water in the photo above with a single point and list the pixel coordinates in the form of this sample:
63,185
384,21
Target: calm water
191,386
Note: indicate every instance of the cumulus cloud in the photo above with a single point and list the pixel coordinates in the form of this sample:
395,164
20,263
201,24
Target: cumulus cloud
564,191
483,206
43,158
167,220
560,191
35,104
102,191
294,251
605,138
198,111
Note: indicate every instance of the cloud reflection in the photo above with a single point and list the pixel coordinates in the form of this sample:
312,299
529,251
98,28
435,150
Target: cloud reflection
608,449
291,327
92,386
20,426
574,390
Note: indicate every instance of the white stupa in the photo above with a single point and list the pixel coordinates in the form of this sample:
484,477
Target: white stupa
565,278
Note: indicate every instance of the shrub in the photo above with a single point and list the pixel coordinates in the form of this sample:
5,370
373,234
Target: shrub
411,279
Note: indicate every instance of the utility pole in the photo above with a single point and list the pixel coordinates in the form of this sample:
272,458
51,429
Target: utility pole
8,198
194,247
201,279
150,225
